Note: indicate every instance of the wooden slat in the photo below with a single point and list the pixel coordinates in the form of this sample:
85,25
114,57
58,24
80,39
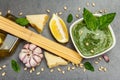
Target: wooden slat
30,36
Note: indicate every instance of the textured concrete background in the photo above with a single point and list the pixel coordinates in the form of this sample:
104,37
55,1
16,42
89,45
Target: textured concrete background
40,6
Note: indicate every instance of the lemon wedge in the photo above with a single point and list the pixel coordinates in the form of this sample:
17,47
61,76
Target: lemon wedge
58,29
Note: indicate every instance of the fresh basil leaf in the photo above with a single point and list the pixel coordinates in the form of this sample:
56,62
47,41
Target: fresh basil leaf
22,21
90,20
88,66
15,66
105,20
69,18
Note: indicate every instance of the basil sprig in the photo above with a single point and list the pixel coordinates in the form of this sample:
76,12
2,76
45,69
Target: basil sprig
15,66
90,20
22,21
88,66
94,23
105,20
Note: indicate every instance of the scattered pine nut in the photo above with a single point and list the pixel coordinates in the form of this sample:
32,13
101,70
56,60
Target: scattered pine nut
38,73
8,11
96,62
65,7
93,4
25,68
20,13
59,69
73,68
33,69
60,13
84,70
87,4
79,9
76,65
68,68
81,65
99,69
63,72
48,10
104,69
0,68
4,73
51,70
42,69
73,64
0,13
100,11
77,16
100,58
104,10
4,66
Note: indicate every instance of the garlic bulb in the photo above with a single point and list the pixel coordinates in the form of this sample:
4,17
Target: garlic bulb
31,55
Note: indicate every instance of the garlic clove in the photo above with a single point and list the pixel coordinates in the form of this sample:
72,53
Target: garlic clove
26,59
24,51
41,55
38,50
22,56
32,46
28,65
26,46
37,58
32,62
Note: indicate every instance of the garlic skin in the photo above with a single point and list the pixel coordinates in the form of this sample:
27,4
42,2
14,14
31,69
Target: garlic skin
31,55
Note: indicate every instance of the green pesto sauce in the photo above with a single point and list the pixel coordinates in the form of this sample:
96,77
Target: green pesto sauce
89,42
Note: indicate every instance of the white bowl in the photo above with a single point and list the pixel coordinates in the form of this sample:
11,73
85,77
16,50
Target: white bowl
112,33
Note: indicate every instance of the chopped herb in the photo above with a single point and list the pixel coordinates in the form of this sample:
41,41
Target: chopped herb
69,18
89,66
94,23
15,66
22,21
105,20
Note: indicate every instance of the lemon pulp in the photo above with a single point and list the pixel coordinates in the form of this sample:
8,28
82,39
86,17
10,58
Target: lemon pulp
59,29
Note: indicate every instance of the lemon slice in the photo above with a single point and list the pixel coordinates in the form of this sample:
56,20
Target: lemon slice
58,29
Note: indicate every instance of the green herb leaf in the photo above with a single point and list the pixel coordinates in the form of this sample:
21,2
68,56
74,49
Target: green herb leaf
69,18
15,66
88,66
105,20
90,20
22,21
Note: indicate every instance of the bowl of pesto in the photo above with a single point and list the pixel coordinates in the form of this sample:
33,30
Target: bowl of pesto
92,35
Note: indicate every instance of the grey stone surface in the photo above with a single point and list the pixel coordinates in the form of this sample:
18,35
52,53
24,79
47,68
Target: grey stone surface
40,6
